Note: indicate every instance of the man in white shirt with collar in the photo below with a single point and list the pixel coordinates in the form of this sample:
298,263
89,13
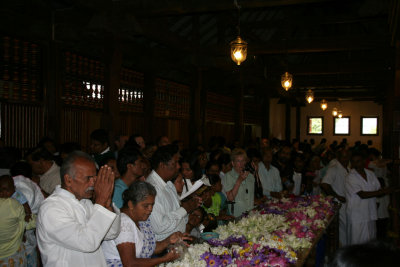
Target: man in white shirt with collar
43,165
333,183
269,176
362,187
168,215
70,228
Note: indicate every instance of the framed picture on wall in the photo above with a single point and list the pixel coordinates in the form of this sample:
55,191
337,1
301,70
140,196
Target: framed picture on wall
315,125
341,126
369,125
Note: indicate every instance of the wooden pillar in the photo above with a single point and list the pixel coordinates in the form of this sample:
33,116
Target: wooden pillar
287,121
113,61
52,92
298,121
391,137
239,118
198,110
265,115
149,105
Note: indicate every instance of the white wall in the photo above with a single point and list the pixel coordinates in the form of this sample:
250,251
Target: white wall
354,109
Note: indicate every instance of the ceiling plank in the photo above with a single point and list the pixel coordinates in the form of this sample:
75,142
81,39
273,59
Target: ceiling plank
174,8
331,44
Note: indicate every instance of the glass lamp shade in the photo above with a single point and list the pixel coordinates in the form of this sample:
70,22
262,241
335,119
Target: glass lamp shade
238,50
310,96
340,114
286,81
324,104
334,112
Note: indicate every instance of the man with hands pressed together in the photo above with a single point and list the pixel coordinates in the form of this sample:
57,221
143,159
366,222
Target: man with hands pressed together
70,228
239,184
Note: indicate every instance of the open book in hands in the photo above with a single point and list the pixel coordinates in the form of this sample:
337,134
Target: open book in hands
199,183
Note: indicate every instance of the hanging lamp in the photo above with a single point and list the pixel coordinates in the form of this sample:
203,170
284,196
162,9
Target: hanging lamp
334,112
309,96
238,45
286,81
324,104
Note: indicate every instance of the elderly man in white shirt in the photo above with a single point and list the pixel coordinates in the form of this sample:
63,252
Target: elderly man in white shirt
362,188
70,228
333,183
169,215
269,176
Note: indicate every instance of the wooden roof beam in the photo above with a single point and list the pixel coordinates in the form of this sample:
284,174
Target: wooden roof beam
313,45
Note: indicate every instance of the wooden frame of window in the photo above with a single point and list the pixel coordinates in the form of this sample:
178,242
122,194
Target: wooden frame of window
334,125
362,123
308,125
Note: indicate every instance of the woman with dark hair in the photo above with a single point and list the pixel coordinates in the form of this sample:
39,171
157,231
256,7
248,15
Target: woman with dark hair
190,170
136,242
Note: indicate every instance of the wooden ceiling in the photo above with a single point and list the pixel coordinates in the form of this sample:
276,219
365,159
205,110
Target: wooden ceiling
340,49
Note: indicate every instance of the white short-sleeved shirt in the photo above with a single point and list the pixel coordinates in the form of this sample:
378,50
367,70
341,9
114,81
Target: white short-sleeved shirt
336,177
270,179
358,209
297,183
129,234
167,216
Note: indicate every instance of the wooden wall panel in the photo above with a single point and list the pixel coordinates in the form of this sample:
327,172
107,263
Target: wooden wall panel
77,124
132,123
22,125
226,130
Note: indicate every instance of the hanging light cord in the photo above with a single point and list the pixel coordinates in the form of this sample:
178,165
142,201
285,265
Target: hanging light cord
236,4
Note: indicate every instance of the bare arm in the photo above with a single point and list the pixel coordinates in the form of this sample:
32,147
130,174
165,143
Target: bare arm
328,189
28,212
231,195
172,239
127,252
377,193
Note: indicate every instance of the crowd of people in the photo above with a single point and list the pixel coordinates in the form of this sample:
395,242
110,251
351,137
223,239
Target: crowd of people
128,202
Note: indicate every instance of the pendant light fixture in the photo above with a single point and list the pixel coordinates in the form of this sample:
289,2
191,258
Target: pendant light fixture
340,114
238,46
334,112
309,96
324,104
286,81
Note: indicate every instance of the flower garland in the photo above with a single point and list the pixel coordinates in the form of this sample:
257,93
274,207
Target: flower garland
269,235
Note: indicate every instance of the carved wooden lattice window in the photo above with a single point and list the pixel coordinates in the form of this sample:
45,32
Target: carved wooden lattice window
130,94
220,107
172,99
20,71
83,81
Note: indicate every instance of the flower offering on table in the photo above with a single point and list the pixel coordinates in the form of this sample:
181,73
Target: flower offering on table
270,235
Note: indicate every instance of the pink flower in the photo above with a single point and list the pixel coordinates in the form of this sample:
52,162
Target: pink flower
278,262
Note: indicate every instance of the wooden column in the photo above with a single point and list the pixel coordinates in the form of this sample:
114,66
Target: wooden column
52,92
113,61
239,119
391,137
287,121
198,110
149,106
265,114
298,121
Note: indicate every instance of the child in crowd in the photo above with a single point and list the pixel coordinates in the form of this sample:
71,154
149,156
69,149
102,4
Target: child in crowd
7,188
218,206
12,226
